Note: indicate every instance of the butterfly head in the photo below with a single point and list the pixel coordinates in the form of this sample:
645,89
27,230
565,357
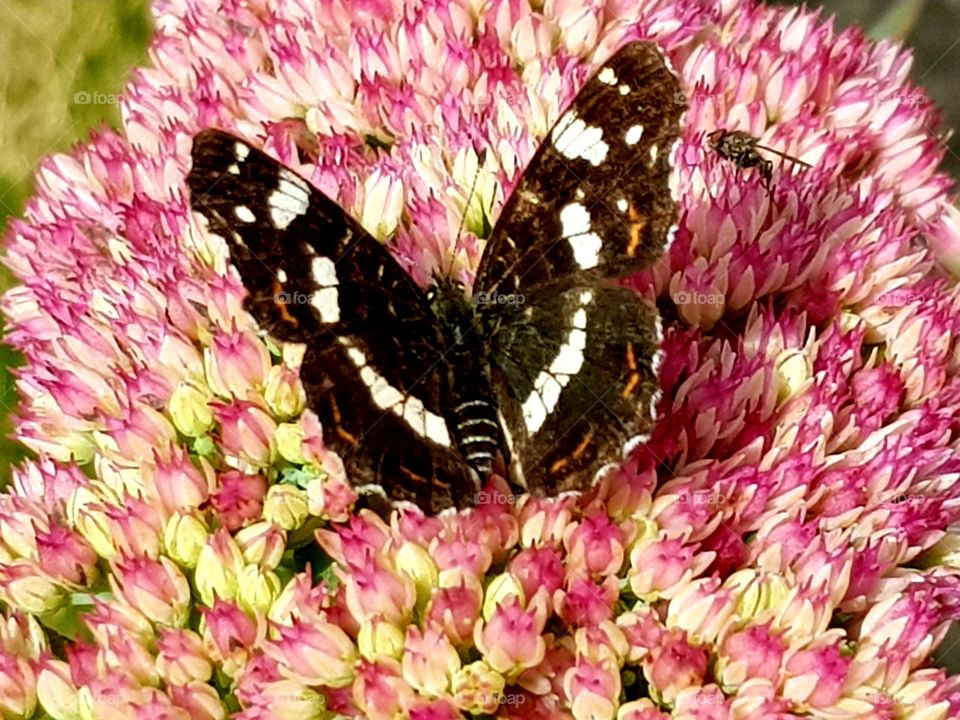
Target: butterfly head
452,307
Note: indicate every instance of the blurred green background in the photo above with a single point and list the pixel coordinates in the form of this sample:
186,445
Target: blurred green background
60,53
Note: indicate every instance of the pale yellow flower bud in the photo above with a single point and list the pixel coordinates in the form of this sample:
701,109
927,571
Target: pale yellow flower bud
257,589
499,589
287,506
262,543
289,440
218,568
184,536
190,410
283,392
30,591
90,522
794,373
416,562
56,692
756,593
377,639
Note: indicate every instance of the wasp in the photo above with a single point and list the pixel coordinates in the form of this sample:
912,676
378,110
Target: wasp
741,149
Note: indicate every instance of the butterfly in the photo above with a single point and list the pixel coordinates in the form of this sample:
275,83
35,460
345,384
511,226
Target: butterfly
741,148
424,394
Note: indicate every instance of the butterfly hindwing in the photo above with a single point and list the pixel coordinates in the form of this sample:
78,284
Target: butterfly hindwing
314,276
577,372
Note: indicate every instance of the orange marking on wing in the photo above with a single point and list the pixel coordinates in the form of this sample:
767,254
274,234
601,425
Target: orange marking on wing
577,452
559,465
637,223
344,435
282,306
349,437
422,480
634,380
582,447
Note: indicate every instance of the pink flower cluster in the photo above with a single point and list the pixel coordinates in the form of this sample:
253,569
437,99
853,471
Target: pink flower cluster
785,546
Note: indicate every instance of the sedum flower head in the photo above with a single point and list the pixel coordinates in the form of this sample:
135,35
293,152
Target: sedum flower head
784,545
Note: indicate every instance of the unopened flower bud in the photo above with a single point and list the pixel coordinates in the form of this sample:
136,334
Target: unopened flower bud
56,691
236,364
218,568
18,687
501,588
257,589
66,556
793,373
190,410
511,640
416,562
287,506
184,536
181,657
283,392
156,588
429,661
314,653
24,586
289,440
246,432
262,543
86,513
377,639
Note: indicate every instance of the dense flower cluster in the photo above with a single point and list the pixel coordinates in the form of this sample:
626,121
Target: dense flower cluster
784,546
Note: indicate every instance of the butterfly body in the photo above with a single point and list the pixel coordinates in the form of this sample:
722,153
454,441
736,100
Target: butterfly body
547,362
472,411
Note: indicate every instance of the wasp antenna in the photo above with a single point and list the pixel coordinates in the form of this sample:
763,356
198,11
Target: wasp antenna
784,155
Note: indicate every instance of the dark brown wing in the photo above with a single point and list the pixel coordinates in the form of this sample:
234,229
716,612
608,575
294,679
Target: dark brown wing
594,201
374,367
574,368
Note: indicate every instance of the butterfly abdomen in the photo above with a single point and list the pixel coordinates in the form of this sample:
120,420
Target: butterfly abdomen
477,433
473,413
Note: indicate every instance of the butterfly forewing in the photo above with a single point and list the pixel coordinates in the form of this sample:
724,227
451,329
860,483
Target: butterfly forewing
594,200
373,369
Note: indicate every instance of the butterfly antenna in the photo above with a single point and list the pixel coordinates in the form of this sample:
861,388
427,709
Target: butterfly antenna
481,159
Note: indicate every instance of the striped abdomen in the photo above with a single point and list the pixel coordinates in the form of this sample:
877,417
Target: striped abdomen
477,434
